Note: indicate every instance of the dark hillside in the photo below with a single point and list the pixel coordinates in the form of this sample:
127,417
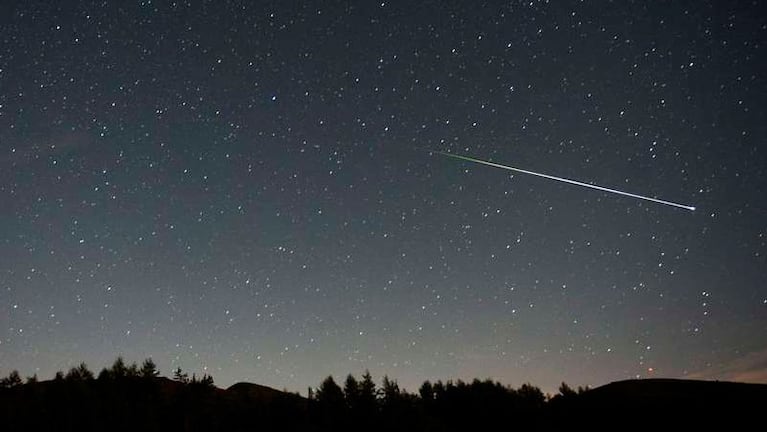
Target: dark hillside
126,398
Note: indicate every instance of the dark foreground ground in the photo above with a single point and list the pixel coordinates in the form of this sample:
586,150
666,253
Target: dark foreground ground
160,404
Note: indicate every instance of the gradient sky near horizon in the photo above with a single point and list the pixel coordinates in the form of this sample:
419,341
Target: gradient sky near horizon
240,189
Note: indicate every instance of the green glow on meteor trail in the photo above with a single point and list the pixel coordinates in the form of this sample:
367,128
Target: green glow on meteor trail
564,180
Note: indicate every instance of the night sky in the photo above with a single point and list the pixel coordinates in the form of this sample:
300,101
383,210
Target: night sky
245,189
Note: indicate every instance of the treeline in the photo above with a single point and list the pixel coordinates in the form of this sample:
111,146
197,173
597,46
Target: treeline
118,371
132,397
436,406
129,397
120,397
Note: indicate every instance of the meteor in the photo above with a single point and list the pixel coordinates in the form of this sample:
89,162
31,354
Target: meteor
564,180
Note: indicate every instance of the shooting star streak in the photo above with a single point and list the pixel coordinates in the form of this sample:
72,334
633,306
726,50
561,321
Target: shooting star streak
564,180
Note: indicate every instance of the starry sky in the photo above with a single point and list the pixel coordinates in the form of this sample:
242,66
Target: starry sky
244,189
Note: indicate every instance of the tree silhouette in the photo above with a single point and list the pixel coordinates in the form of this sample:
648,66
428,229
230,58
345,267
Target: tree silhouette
149,369
118,370
566,391
439,389
180,376
531,396
351,391
206,381
104,374
331,404
329,393
390,392
367,397
12,380
426,391
79,373
132,370
84,372
397,406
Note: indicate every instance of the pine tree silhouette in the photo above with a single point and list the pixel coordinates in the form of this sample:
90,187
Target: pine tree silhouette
12,380
180,376
149,369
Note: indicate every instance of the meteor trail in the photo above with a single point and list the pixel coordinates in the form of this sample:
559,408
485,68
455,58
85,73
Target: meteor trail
564,180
